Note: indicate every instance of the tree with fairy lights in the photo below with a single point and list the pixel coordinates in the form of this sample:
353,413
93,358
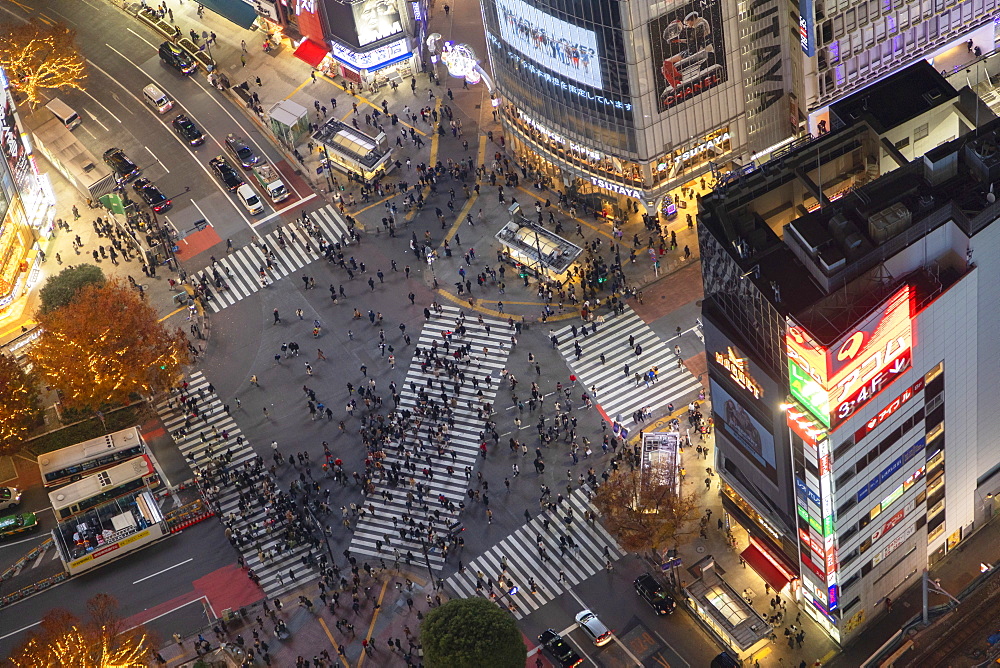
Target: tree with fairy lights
101,641
106,346
19,398
38,56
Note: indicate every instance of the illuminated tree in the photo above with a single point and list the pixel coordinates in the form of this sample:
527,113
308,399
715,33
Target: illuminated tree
469,633
60,289
106,345
19,398
643,510
101,641
38,55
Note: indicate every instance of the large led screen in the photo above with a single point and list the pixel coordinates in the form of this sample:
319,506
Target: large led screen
689,52
743,430
834,382
559,46
375,20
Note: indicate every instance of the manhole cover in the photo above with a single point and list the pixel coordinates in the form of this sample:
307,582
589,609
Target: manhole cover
700,549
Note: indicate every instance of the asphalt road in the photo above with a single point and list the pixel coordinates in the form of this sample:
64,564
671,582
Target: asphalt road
141,580
114,115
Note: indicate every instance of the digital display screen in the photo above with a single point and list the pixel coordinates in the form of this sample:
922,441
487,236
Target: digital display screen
559,46
689,52
375,20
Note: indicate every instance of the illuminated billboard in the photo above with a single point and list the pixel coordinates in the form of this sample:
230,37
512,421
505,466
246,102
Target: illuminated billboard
557,45
375,20
688,52
743,430
833,383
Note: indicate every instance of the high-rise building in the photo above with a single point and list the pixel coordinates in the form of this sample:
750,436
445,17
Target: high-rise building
618,102
26,205
848,304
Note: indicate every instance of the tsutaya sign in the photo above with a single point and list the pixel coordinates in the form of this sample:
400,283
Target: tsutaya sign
616,188
714,143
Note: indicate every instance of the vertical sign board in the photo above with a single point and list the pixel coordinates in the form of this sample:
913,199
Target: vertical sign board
834,382
807,27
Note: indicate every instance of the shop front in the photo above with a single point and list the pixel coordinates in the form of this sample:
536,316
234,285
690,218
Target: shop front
391,62
766,547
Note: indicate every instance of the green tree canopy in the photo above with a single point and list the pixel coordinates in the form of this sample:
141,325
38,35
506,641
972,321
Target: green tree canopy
59,290
19,398
471,633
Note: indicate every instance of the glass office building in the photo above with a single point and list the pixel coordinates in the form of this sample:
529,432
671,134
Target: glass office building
617,103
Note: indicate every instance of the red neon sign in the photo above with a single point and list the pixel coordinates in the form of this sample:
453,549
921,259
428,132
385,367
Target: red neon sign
889,410
858,366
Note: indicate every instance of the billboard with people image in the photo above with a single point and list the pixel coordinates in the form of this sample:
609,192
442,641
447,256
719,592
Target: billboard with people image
689,52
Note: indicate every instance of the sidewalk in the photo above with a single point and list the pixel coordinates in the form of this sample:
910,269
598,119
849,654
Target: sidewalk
284,77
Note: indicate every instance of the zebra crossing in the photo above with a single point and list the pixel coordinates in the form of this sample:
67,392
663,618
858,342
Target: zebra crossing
198,452
517,558
618,393
293,246
490,341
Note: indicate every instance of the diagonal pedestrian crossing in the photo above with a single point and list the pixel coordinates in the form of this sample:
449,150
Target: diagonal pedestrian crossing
518,557
204,439
490,343
294,245
619,394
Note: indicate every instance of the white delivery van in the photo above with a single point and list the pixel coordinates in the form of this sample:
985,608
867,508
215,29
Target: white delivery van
64,113
157,99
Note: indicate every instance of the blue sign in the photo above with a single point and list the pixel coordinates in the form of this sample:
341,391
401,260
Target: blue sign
807,27
889,470
513,590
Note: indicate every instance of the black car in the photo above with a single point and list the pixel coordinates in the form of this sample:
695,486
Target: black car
229,176
119,163
151,195
559,649
188,131
243,154
177,58
647,587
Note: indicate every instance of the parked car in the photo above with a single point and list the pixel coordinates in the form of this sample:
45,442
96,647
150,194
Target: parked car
9,497
119,163
239,149
559,649
188,131
151,195
650,590
250,200
229,176
177,58
594,627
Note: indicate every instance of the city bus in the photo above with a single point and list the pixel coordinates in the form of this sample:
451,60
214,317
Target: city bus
99,488
67,465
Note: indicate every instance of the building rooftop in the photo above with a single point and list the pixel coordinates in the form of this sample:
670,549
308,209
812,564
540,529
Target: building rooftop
533,245
827,258
348,140
896,99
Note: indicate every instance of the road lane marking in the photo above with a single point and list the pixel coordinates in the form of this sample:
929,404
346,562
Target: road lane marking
371,627
96,120
614,636
101,105
173,610
142,38
23,540
160,162
202,212
14,633
281,211
163,571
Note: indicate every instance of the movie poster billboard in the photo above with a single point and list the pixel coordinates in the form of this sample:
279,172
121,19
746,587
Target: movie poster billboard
689,52
743,430
376,19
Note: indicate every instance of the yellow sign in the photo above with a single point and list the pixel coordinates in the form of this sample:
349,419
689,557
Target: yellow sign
100,552
739,370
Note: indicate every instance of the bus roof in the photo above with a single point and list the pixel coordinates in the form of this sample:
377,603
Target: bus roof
95,483
78,452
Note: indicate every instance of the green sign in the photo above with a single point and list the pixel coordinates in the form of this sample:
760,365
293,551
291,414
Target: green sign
814,523
809,393
113,203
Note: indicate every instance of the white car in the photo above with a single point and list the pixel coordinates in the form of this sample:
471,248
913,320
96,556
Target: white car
9,497
250,199
593,627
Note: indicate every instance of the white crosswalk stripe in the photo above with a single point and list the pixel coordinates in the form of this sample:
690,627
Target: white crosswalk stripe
198,445
522,556
490,344
618,394
239,270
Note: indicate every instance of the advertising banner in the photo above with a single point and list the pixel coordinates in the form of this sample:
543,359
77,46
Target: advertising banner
743,430
834,382
376,19
562,47
688,50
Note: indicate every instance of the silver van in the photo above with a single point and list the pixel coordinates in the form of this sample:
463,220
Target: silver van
157,99
64,113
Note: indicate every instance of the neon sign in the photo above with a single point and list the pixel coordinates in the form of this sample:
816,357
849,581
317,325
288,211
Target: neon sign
739,371
889,410
834,382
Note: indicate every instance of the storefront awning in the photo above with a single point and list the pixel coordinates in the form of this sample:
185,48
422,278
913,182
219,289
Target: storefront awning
103,186
236,11
765,567
310,52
